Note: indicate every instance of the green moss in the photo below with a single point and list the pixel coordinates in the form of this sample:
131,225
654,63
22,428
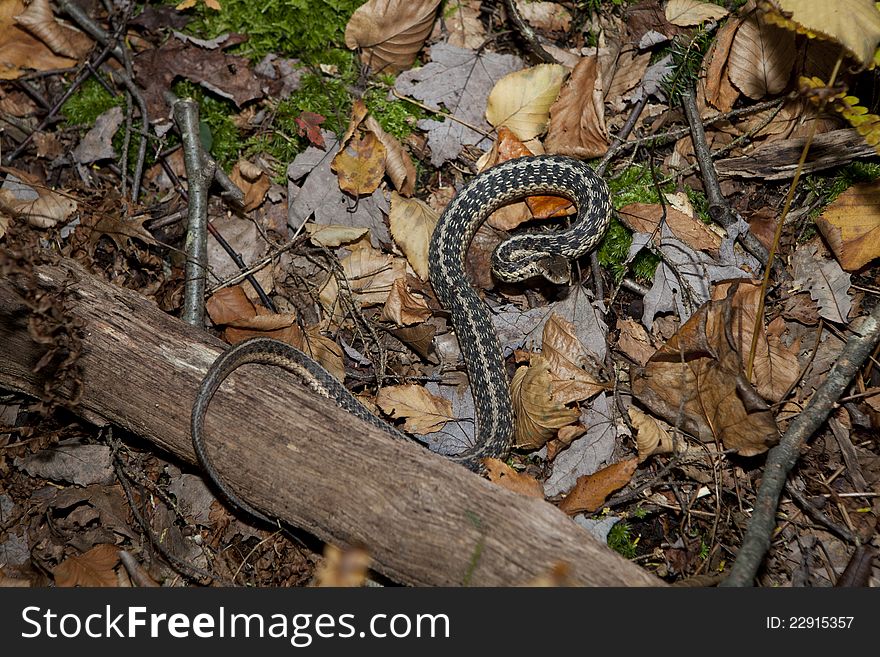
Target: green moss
88,103
397,117
293,28
621,541
829,187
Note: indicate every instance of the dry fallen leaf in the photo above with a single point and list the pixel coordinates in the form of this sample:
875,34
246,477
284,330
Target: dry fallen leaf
521,100
332,235
405,307
761,58
519,482
39,206
19,50
853,23
390,33
398,163
412,223
94,568
360,165
369,274
634,341
577,118
342,568
645,218
463,25
591,491
565,354
423,412
851,226
538,415
550,16
696,382
651,438
718,91
686,13
62,39
253,181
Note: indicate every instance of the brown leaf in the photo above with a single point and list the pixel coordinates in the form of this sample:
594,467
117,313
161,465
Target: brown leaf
342,568
761,58
463,25
686,13
577,118
538,415
398,163
519,482
651,438
550,16
565,354
412,223
62,39
418,338
851,226
645,218
19,50
253,181
634,341
390,33
404,307
591,491
696,381
34,202
94,568
423,412
324,350
360,165
719,91
120,230
370,275
229,304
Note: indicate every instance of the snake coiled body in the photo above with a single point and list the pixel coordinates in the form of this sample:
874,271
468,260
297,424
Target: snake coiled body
520,257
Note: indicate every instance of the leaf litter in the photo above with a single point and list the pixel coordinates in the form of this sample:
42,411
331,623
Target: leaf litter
593,423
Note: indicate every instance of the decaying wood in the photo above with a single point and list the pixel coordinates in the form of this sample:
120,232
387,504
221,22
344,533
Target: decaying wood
423,519
778,160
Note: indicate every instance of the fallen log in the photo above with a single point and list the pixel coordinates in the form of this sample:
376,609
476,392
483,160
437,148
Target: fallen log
295,455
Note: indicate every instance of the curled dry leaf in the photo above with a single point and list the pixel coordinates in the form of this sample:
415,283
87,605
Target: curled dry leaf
404,307
591,491
651,438
538,414
62,39
412,223
324,350
253,181
519,482
228,304
423,412
369,274
855,24
686,13
360,165
521,100
761,58
19,50
851,226
390,33
645,218
577,118
398,163
696,381
565,354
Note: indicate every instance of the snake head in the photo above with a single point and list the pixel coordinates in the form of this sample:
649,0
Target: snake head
555,268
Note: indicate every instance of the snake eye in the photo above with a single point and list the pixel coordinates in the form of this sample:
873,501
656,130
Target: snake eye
555,268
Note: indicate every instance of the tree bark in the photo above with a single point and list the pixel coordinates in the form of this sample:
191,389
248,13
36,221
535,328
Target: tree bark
295,455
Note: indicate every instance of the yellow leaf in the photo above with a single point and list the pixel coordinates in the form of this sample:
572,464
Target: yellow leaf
851,226
332,235
360,165
521,100
855,24
412,223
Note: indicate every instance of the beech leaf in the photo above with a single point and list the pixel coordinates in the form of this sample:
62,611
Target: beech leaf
390,33
761,58
424,413
521,100
686,13
851,226
577,118
412,223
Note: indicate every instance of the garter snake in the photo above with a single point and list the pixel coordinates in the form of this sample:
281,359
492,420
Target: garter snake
518,258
